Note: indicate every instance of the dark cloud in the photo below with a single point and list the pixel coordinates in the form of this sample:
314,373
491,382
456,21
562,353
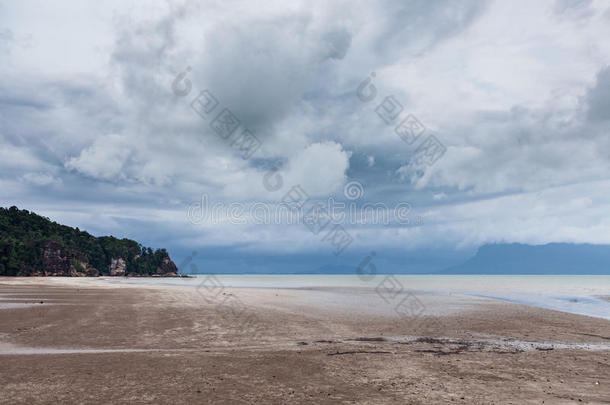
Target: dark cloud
416,26
261,70
574,8
598,97
6,40
338,42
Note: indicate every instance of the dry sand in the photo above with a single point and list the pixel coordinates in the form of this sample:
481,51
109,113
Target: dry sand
94,342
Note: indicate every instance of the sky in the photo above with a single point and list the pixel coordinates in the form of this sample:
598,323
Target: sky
424,128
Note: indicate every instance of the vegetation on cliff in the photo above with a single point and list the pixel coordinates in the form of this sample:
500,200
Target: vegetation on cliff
34,245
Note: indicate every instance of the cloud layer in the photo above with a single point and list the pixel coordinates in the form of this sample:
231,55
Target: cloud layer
93,134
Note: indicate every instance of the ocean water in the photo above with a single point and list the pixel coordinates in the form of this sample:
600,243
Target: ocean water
585,295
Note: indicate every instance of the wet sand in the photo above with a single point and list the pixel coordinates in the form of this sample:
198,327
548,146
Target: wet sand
90,341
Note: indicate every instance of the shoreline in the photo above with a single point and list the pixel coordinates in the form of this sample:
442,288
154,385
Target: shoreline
584,297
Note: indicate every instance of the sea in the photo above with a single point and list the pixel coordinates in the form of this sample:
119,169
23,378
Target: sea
578,294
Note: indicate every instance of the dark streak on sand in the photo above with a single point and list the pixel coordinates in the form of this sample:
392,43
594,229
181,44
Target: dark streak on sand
358,352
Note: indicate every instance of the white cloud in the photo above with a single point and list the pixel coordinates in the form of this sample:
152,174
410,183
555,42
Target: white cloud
104,159
319,169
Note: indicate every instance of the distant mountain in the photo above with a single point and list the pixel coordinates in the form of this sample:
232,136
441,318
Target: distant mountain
31,245
553,258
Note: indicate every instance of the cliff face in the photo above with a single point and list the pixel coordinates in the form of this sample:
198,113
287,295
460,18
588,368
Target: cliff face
31,245
54,263
168,267
58,263
117,267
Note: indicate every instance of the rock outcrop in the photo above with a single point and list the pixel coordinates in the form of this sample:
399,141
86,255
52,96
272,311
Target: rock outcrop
117,267
54,263
168,267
